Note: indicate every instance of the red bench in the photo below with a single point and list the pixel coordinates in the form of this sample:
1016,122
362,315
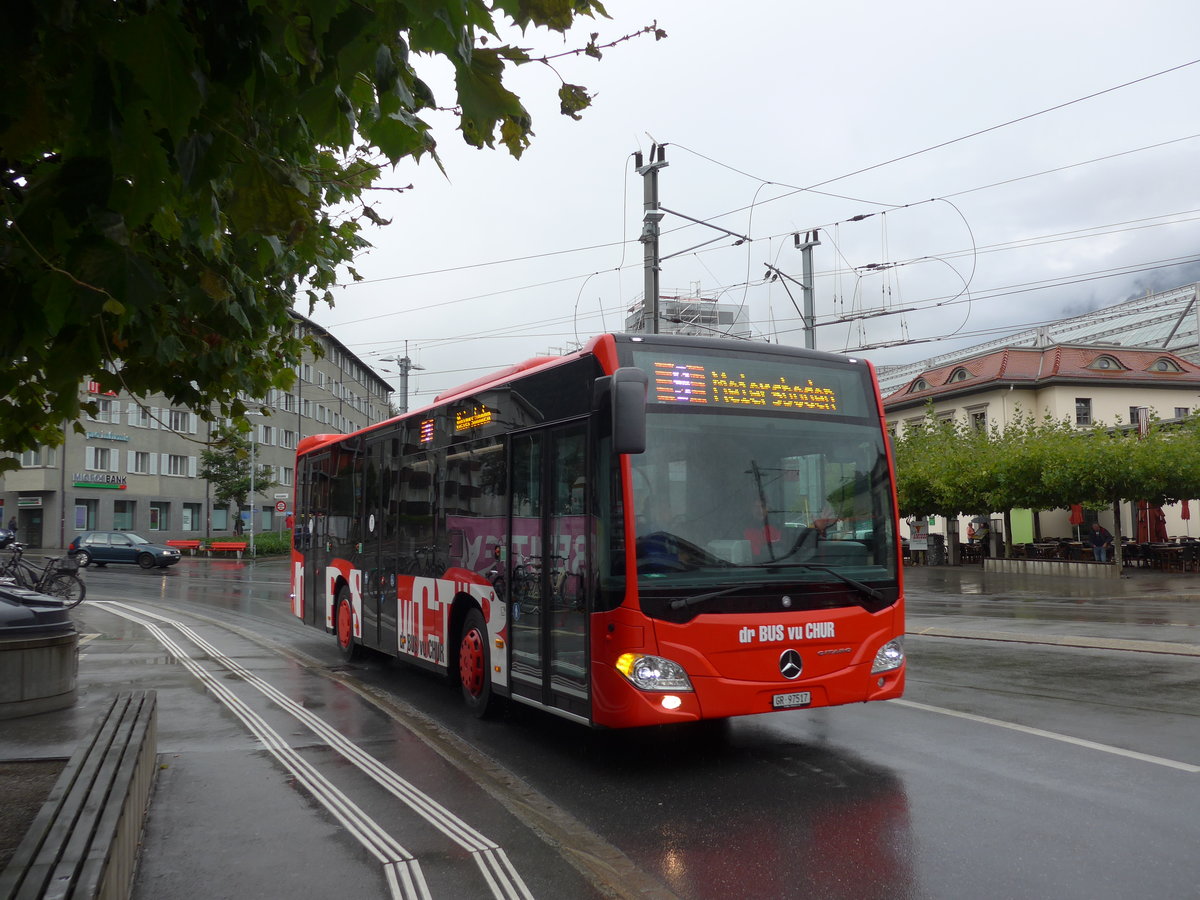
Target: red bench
190,546
237,546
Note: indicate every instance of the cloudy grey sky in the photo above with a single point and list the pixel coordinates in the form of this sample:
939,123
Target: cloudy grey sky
1028,218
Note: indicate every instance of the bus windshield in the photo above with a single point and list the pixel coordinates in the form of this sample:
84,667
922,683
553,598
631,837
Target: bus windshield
735,498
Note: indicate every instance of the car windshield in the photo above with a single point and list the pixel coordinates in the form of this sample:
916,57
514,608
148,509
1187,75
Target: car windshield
136,538
728,499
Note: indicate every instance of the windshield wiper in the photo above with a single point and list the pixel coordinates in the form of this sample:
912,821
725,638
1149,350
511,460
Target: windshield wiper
871,592
684,602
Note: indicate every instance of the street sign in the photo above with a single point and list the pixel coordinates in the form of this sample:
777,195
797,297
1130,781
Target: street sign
280,506
281,496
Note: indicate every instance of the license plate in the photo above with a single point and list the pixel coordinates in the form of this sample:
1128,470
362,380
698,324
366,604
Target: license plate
786,701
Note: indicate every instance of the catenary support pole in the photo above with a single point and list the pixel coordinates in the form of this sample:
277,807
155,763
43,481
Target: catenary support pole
650,230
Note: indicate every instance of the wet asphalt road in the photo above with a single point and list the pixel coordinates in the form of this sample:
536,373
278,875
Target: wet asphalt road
1010,769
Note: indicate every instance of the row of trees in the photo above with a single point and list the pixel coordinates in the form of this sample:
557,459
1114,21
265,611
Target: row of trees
946,467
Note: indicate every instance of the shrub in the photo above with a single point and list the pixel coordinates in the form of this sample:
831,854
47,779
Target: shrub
271,543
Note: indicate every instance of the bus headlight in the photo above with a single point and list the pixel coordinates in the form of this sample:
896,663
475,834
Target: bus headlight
653,673
889,656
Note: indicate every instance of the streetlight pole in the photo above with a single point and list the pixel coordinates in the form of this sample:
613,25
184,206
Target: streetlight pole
253,466
253,444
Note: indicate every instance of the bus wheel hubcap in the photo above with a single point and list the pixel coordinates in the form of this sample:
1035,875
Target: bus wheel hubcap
470,662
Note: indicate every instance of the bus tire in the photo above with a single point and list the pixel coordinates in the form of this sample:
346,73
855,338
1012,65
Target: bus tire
343,626
475,665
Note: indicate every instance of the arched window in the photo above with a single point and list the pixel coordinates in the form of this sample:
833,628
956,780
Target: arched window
1106,363
959,374
1163,364
919,385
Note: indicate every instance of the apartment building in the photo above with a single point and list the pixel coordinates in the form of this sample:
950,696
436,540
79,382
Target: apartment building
136,466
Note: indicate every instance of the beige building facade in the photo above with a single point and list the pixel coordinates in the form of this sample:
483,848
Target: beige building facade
1085,385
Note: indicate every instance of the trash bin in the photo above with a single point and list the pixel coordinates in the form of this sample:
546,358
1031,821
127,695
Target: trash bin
39,653
937,550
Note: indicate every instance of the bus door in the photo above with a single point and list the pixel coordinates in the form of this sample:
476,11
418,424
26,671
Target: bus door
310,533
374,579
548,566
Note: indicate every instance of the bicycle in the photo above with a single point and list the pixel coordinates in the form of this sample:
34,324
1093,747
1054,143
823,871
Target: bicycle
56,579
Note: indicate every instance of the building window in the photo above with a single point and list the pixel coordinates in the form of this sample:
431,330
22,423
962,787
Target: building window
177,465
285,476
1182,412
1083,410
179,420
99,459
139,416
160,516
979,420
103,411
124,514
86,513
220,518
1106,363
1164,365
191,517
41,456
959,374
919,385
141,463
287,440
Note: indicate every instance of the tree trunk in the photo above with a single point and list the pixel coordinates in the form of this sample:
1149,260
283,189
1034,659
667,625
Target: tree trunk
1118,554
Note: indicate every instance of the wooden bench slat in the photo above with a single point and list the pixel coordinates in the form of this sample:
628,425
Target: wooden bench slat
74,848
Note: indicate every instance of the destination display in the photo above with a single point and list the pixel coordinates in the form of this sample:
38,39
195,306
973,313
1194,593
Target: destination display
752,383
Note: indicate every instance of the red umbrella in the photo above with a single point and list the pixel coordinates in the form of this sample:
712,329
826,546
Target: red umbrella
1185,512
1077,514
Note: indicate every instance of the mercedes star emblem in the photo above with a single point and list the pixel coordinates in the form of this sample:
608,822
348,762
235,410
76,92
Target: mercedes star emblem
790,664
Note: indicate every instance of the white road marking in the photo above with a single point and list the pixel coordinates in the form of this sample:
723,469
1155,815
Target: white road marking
502,878
1054,736
401,868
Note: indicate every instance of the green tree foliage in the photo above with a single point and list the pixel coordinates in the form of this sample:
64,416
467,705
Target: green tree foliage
174,175
226,466
946,468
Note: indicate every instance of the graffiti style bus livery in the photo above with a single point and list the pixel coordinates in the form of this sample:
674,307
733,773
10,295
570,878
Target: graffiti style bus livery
652,529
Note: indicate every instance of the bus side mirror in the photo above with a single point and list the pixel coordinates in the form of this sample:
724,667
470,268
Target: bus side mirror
626,393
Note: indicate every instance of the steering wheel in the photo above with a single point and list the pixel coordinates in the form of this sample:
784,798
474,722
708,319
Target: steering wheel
659,552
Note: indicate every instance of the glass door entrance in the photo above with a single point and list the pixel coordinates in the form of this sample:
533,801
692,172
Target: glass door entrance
548,565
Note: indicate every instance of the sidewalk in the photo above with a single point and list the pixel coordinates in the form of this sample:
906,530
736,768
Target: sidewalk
1145,610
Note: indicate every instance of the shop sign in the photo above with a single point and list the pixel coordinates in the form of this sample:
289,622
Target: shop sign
99,480
29,502
107,436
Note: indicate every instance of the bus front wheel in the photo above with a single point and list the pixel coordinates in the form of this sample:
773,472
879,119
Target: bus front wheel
343,623
475,664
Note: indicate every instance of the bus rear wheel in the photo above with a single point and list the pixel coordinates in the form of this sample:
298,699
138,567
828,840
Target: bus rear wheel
475,665
343,623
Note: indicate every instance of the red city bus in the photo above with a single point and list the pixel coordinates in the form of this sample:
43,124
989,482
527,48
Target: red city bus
653,529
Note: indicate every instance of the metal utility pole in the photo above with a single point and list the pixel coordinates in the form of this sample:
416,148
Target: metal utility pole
805,247
650,231
406,365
